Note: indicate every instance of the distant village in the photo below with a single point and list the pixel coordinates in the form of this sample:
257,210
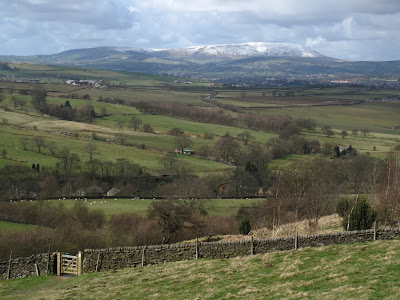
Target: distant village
87,83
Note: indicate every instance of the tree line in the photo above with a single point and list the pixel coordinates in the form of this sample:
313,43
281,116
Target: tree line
77,228
219,116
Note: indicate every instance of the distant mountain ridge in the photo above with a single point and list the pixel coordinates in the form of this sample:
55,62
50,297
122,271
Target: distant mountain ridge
246,60
252,49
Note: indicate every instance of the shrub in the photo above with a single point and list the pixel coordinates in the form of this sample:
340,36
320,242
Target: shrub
147,128
208,136
176,132
362,217
245,227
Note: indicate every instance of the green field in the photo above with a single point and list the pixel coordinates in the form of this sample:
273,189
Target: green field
51,129
356,271
215,207
10,226
378,118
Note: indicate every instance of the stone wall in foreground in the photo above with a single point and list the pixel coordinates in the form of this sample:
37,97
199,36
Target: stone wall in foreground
34,265
126,257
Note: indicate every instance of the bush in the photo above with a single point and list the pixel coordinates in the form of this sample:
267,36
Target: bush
208,136
147,128
176,132
362,217
245,227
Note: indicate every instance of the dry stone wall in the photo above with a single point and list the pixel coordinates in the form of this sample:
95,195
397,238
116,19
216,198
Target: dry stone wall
34,265
125,257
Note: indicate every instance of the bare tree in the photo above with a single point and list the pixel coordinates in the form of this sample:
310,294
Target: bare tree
176,132
65,154
365,132
327,130
91,150
172,216
52,146
68,159
147,128
39,102
120,123
204,151
181,142
388,205
24,142
226,148
214,181
39,142
121,138
18,102
14,100
174,165
74,160
344,133
311,188
245,137
135,123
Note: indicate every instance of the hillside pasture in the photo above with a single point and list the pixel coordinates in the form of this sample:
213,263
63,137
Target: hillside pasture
150,160
376,117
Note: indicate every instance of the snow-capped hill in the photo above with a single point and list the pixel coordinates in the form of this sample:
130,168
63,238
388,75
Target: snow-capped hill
251,49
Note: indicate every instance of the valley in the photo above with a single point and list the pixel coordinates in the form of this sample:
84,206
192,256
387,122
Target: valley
117,161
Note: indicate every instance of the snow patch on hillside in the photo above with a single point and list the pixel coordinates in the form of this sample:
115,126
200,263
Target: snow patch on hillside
251,49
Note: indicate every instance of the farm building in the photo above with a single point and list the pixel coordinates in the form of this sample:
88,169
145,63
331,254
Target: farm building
113,192
342,151
93,191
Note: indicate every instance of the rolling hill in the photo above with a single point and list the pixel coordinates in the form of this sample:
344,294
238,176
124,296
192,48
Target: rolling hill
216,61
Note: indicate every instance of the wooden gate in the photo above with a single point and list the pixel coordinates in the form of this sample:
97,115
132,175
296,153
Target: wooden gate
69,264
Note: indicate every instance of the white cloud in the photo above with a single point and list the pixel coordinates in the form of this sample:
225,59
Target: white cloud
352,26
315,42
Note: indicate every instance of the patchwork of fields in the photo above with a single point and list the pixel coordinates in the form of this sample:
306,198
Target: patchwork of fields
378,118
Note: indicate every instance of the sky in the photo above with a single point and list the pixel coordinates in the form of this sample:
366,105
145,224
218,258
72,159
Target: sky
345,29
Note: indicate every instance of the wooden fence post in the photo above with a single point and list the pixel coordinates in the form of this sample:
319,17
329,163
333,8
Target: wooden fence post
59,262
197,248
98,262
375,230
79,264
296,240
37,270
252,246
144,248
48,261
9,267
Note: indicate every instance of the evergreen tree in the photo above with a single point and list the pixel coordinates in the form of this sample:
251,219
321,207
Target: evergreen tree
361,217
245,226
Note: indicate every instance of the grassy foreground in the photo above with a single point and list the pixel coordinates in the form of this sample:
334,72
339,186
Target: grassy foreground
357,271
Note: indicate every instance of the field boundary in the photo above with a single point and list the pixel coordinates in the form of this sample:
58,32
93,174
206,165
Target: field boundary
98,260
